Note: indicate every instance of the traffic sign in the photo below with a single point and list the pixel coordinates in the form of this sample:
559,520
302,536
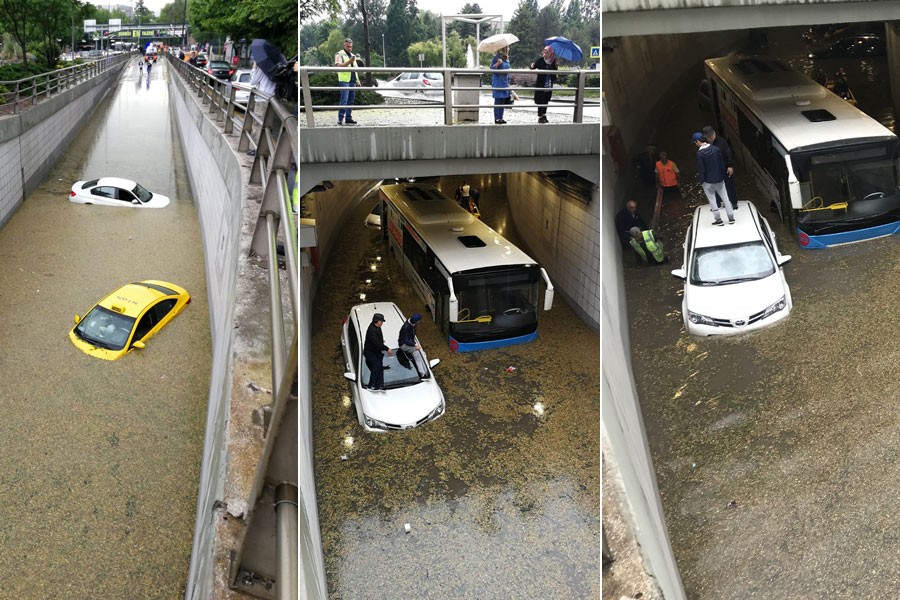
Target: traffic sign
595,51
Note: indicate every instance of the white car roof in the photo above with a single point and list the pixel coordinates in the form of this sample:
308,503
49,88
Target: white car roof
744,228
393,320
117,182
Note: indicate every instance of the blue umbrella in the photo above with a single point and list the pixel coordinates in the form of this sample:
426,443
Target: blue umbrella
565,49
267,56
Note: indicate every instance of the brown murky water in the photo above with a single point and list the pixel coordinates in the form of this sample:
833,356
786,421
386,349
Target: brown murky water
795,424
99,460
502,503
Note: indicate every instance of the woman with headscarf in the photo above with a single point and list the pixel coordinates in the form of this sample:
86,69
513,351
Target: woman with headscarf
545,62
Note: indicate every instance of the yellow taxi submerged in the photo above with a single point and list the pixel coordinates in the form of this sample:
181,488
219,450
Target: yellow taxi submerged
127,317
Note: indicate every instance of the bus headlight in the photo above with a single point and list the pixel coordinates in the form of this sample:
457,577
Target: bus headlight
777,307
698,319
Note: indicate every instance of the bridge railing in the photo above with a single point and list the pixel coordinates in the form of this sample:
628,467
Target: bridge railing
20,95
463,92
272,137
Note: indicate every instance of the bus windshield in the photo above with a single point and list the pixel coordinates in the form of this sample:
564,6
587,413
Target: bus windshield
496,303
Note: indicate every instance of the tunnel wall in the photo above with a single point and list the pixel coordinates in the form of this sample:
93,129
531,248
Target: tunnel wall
563,235
32,142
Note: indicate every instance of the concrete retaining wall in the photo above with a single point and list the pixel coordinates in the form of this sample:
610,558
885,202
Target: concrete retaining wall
32,142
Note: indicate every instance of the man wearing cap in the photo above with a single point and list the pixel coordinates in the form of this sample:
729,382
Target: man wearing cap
347,80
407,342
711,170
372,352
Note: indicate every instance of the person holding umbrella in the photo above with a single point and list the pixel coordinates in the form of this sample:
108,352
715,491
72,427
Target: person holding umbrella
500,84
545,62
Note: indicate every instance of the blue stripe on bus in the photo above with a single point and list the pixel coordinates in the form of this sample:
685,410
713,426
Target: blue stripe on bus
846,237
473,346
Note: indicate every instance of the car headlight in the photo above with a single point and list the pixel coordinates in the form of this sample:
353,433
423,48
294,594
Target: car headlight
777,307
374,424
698,319
437,411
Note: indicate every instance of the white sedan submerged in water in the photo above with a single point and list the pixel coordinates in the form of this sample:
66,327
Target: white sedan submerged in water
114,191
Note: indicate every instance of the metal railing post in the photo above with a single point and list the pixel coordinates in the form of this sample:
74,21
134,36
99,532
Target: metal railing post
286,584
448,96
307,98
578,117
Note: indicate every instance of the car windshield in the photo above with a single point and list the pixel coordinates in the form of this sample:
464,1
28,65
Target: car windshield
105,328
142,193
723,265
399,370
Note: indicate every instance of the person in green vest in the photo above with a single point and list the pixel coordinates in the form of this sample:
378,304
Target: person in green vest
648,247
347,81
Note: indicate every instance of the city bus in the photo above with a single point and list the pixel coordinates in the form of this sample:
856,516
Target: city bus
480,289
827,168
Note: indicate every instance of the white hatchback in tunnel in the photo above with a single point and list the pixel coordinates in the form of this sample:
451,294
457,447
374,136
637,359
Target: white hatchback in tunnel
411,397
114,191
733,277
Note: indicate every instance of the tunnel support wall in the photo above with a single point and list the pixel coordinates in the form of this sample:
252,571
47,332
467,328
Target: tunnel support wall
31,142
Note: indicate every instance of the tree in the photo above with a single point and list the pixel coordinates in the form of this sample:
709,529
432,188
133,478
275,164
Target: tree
549,23
274,20
524,25
50,23
401,21
467,30
310,8
174,12
141,13
16,19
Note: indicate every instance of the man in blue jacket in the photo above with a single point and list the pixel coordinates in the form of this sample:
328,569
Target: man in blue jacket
711,170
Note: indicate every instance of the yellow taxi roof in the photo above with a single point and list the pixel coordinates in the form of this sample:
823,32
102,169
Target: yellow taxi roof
131,299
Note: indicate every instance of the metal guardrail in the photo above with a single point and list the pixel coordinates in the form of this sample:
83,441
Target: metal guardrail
275,149
20,95
444,98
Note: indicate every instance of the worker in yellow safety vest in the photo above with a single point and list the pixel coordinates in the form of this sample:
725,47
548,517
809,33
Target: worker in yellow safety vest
347,81
647,247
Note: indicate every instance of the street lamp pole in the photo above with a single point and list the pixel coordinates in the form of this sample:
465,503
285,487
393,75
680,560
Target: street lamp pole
383,53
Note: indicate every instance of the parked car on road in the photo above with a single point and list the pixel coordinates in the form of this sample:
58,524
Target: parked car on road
201,60
411,397
241,82
127,317
856,46
115,191
733,277
418,82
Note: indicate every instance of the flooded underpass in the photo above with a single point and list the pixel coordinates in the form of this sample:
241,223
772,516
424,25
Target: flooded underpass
100,460
502,501
776,451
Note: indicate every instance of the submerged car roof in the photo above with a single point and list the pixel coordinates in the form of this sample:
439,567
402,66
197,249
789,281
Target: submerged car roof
132,298
117,182
744,229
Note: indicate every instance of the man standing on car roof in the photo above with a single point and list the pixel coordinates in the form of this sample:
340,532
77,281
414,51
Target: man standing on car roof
722,144
407,342
712,173
372,352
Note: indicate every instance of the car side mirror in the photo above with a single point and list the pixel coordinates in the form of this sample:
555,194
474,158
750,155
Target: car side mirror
434,362
679,273
77,319
135,201
350,376
139,345
784,258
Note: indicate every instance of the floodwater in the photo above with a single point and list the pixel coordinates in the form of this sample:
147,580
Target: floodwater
100,460
775,451
501,502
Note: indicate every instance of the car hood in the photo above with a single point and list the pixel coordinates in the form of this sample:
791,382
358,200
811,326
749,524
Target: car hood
157,201
402,406
736,300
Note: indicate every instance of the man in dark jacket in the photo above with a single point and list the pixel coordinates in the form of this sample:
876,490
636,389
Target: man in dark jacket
372,352
712,173
722,144
407,342
627,218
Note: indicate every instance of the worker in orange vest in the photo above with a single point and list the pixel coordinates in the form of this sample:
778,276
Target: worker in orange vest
667,174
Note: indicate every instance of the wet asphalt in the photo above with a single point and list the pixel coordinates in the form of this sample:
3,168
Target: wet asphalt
775,451
501,502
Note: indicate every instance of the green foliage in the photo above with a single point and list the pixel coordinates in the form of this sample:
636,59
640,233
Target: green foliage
174,12
401,22
274,20
524,25
333,97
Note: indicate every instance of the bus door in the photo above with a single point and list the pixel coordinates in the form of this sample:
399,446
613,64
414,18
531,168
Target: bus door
441,297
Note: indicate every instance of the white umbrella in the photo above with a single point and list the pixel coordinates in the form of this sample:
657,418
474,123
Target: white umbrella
495,42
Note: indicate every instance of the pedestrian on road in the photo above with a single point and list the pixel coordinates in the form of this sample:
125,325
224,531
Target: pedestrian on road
466,191
667,174
545,62
728,156
627,218
347,80
373,350
648,248
712,173
500,85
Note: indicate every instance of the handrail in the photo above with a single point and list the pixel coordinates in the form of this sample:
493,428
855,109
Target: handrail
22,94
275,149
443,98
